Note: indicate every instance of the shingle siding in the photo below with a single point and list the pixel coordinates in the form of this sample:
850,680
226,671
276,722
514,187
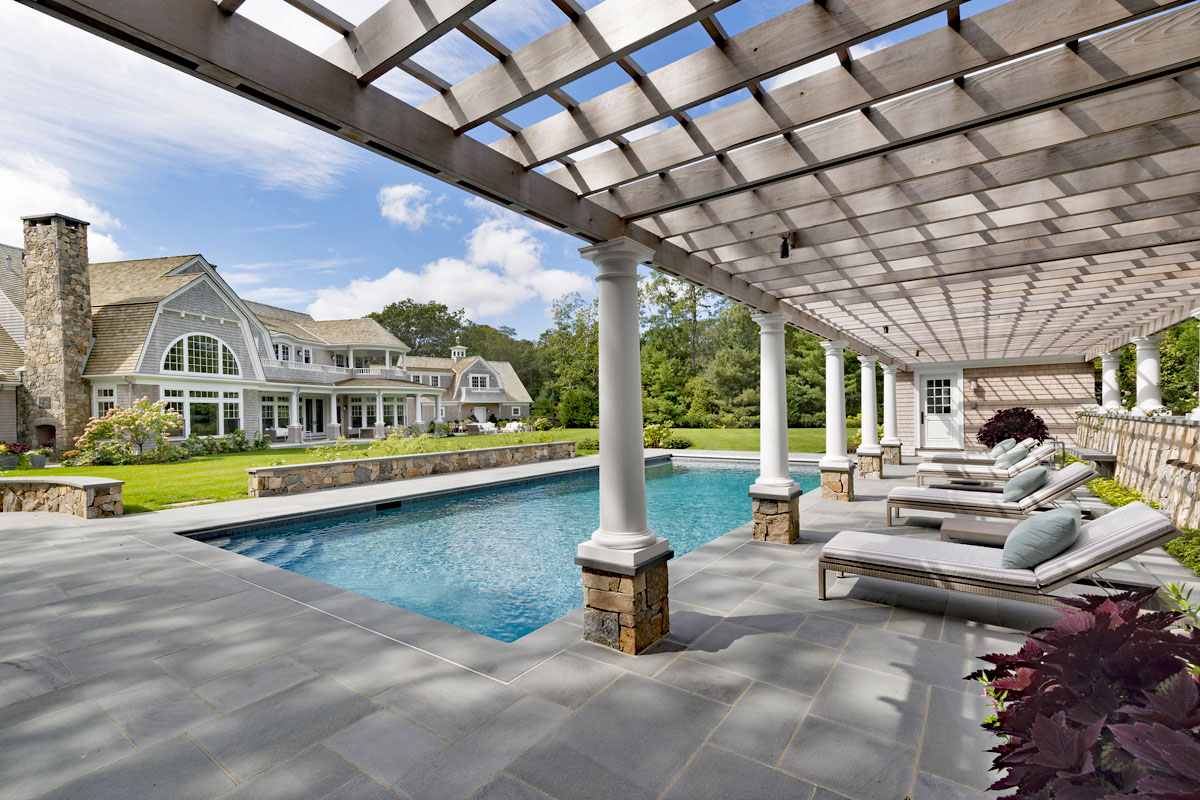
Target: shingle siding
8,412
204,299
1053,391
169,326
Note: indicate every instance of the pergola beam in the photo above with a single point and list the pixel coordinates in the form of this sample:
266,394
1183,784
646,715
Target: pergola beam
1009,31
1138,53
396,32
601,35
798,36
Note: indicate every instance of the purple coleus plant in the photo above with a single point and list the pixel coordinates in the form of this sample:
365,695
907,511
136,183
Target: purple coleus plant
1012,423
1103,704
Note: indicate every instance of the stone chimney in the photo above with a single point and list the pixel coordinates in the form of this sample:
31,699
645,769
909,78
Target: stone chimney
58,330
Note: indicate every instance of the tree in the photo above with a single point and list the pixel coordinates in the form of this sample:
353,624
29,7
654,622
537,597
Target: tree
577,408
674,310
430,329
571,347
502,344
143,423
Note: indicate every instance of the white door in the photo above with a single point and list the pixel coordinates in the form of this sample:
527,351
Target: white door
941,411
480,413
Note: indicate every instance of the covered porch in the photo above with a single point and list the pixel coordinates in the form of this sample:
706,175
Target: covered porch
364,407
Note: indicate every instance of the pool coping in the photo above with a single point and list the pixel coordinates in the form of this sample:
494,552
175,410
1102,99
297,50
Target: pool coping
175,531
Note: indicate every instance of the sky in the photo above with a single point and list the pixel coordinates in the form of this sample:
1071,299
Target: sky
163,164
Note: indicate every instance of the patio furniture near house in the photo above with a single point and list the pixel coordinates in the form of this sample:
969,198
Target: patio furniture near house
977,569
986,503
927,471
514,427
980,457
281,434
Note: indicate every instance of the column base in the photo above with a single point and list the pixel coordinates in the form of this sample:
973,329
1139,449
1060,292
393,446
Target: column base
626,612
333,431
891,454
295,434
870,462
380,431
837,484
776,514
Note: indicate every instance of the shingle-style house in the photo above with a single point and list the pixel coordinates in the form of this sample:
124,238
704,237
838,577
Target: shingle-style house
78,338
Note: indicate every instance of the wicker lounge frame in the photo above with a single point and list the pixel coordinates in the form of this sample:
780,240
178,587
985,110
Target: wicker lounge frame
987,504
942,471
1114,538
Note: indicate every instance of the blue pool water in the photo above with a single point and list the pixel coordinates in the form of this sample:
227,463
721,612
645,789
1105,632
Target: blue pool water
499,561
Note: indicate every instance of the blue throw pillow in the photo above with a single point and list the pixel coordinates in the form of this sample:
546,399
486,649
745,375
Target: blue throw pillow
1003,447
1025,484
1040,538
1013,456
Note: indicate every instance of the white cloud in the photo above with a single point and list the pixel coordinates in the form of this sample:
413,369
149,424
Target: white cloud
404,204
97,108
277,296
822,64
33,185
501,269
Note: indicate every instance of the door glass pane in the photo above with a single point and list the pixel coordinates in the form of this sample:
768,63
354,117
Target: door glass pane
203,418
937,396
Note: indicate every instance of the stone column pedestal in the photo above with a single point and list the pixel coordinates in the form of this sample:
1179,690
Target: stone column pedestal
837,483
776,514
295,434
870,461
333,430
891,454
627,612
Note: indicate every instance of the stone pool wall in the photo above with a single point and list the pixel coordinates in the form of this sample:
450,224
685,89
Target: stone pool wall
86,499
296,478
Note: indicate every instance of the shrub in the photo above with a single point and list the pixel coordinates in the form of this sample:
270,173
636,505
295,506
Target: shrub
542,424
813,420
675,442
588,444
13,448
1103,704
577,407
655,435
1012,423
141,426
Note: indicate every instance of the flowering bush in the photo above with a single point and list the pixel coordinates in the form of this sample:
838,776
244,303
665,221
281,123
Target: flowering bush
654,435
1104,704
13,448
141,426
1012,423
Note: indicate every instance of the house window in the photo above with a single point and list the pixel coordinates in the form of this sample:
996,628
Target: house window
305,354
105,401
266,405
435,380
202,415
200,355
231,407
282,352
205,412
174,398
479,381
339,359
516,412
389,411
416,378
356,409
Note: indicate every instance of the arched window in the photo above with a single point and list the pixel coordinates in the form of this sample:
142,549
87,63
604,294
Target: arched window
200,355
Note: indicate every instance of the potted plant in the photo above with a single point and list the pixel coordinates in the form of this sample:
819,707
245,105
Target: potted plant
37,458
8,460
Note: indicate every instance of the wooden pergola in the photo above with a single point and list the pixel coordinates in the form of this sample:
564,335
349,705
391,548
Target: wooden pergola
1014,183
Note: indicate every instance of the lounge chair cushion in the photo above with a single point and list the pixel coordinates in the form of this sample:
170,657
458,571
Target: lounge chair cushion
1003,447
946,559
1011,457
1040,538
1121,533
1026,483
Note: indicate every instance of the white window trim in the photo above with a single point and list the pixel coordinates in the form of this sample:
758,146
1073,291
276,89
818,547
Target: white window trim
516,411
220,400
222,346
487,379
97,399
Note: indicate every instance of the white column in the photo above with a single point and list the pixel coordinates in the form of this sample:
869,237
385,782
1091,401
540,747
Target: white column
772,426
417,407
623,536
1196,411
350,358
1110,391
437,407
891,427
1149,394
870,413
379,409
294,406
331,410
835,407
387,359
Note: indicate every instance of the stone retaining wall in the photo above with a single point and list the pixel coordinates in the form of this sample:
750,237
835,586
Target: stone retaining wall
1158,456
81,501
293,479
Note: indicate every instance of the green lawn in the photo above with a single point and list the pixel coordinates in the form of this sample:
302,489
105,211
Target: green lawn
218,478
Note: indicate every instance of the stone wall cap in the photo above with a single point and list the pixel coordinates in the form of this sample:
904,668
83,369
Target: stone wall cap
374,459
775,492
621,569
77,482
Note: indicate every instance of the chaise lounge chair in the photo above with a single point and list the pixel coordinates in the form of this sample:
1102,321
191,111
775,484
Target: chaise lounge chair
981,457
928,471
987,504
977,569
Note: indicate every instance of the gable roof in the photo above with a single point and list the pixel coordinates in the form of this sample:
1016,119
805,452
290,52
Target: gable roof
144,280
352,331
431,362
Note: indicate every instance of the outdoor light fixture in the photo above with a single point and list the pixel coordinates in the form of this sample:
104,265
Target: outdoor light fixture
785,249
885,328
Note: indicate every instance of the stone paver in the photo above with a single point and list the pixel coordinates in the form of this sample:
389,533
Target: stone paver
136,663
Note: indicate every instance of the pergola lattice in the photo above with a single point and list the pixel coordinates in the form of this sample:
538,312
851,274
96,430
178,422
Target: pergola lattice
1022,182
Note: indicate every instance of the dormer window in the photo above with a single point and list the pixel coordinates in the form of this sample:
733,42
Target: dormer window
283,352
200,355
479,381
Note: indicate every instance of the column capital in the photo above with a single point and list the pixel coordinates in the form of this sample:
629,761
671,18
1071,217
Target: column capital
770,323
890,369
868,362
617,255
1109,357
1195,313
834,348
1148,341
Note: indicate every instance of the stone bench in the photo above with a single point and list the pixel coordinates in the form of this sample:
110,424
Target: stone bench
89,498
1106,463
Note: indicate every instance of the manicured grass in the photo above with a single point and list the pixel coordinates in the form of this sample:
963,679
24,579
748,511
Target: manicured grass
218,478
800,440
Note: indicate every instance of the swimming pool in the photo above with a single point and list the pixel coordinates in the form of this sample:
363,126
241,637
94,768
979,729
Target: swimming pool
499,561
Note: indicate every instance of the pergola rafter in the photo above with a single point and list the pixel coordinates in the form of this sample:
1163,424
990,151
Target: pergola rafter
1020,183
